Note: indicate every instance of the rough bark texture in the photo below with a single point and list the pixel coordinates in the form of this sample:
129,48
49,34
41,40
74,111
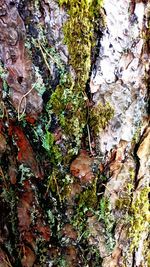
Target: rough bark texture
74,133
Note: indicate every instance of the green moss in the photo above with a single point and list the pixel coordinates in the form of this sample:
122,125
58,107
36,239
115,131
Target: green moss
137,213
123,203
69,101
140,217
85,202
136,136
106,217
9,196
146,253
79,35
52,149
3,76
88,198
100,116
70,108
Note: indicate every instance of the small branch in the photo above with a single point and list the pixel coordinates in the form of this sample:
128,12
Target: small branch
55,61
44,57
3,177
23,97
53,177
89,138
7,261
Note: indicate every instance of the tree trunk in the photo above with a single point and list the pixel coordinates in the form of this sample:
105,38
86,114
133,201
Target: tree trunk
74,133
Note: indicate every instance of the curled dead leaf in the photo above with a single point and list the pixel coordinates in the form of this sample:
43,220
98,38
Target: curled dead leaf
3,143
81,167
28,257
69,232
71,256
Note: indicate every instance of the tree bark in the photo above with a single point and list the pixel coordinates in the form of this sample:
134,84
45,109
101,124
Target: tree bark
74,133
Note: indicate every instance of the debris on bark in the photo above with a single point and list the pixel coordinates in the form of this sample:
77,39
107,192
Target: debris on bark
81,167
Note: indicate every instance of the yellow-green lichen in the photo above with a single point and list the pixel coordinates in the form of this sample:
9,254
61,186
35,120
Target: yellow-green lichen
106,216
135,207
100,116
79,35
88,198
146,254
48,143
85,202
70,108
139,217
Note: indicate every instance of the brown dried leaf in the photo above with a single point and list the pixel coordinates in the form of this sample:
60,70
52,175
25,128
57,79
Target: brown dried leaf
43,230
3,143
69,232
117,157
113,260
81,167
71,256
28,257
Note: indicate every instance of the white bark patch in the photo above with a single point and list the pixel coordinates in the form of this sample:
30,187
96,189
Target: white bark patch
120,74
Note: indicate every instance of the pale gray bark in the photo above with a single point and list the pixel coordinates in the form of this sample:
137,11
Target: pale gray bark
121,79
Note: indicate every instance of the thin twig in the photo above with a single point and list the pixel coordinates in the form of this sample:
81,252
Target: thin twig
23,97
49,55
44,57
57,187
7,261
3,177
53,177
89,138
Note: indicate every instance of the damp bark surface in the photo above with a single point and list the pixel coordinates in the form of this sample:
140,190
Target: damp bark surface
74,133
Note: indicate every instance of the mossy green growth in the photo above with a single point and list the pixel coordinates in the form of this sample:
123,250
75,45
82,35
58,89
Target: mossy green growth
70,107
52,149
79,35
69,101
123,203
136,136
86,202
105,215
139,217
88,198
100,116
3,76
60,184
9,196
146,254
136,209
